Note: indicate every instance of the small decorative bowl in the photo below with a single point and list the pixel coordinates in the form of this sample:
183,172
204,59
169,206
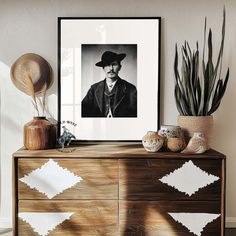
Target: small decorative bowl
152,142
168,131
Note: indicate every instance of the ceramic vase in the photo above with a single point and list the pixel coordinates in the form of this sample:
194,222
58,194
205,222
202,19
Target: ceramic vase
197,144
39,134
152,142
175,144
193,124
168,131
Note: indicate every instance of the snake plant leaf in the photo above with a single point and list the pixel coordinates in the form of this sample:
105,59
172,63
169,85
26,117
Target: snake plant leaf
198,91
177,98
204,40
185,79
226,80
216,94
178,81
223,85
177,77
220,91
209,82
201,106
214,108
179,90
208,78
184,104
195,69
181,103
176,62
206,88
220,54
210,45
210,67
189,55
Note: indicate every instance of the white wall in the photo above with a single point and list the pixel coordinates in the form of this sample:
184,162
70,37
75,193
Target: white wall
31,26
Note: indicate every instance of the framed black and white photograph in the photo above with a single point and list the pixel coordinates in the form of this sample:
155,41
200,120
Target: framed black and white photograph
109,71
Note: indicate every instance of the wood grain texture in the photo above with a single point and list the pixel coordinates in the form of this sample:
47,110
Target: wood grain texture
151,217
223,197
100,179
39,134
14,198
120,193
91,218
112,150
144,183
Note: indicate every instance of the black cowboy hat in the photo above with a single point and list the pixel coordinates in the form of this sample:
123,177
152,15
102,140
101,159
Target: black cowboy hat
108,57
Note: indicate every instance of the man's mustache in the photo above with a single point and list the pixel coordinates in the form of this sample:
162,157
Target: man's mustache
112,71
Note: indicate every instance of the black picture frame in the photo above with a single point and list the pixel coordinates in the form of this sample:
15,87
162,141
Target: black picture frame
145,33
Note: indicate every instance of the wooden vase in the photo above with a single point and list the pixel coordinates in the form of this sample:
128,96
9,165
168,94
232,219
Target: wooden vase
193,124
39,134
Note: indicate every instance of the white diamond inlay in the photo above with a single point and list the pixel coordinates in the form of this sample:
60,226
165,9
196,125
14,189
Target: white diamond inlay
189,178
51,179
43,222
195,222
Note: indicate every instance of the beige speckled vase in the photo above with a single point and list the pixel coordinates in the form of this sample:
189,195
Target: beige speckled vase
152,142
193,124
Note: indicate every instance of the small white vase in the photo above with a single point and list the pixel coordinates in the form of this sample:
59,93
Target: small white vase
197,144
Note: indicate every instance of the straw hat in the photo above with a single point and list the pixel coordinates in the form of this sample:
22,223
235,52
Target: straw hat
36,67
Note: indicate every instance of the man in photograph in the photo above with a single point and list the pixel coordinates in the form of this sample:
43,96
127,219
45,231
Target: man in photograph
113,96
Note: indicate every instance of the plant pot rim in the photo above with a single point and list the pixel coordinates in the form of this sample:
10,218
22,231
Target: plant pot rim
170,126
39,117
196,116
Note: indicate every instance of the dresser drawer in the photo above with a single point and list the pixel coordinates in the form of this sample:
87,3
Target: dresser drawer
172,218
170,179
67,179
82,218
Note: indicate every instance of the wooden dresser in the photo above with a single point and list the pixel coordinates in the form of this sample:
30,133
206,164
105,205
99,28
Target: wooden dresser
118,189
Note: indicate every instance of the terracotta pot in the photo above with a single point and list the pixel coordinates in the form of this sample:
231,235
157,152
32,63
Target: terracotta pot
39,134
168,131
194,124
175,144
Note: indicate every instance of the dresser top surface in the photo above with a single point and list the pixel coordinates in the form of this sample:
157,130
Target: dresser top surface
112,150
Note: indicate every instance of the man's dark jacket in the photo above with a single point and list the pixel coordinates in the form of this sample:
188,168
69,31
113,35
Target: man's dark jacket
125,101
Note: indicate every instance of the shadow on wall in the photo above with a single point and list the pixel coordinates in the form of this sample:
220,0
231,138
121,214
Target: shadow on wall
11,123
225,127
14,113
11,107
6,232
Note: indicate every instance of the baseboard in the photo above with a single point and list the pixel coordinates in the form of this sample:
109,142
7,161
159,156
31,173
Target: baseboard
230,222
5,223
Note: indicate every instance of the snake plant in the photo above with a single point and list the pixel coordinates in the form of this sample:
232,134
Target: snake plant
195,94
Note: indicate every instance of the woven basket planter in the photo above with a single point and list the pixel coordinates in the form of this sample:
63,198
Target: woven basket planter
191,124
